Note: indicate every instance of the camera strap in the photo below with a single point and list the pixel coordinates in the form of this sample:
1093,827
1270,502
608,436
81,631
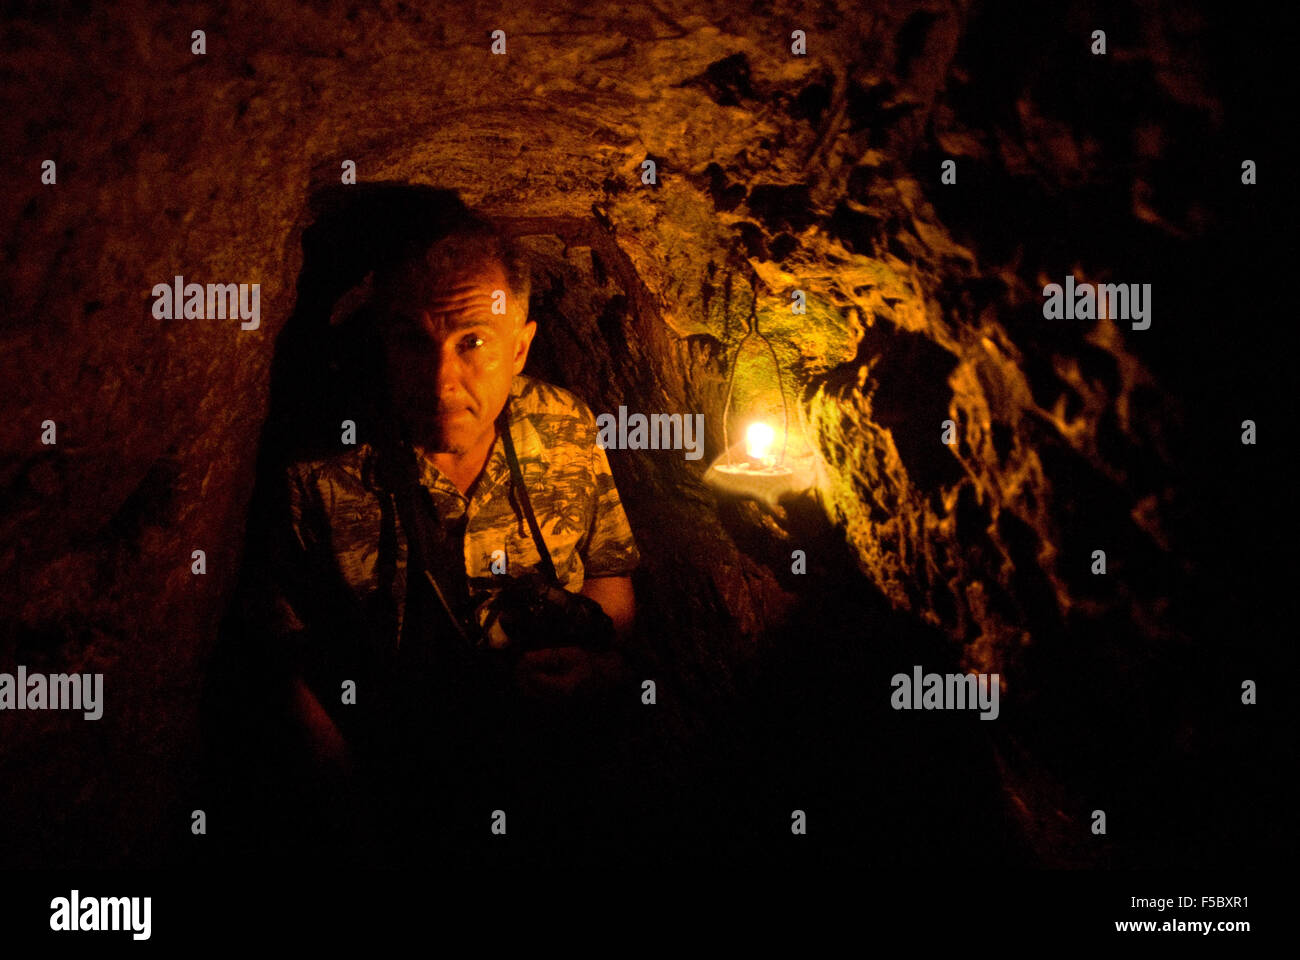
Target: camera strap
428,555
517,479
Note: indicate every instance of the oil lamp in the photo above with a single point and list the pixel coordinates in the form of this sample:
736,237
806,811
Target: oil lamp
755,472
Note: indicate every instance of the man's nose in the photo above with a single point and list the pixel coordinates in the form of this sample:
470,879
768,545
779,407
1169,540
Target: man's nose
449,373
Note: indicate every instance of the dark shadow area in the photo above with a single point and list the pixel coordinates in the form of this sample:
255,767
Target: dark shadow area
269,803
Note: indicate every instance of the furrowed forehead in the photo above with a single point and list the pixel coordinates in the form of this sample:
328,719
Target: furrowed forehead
458,306
459,298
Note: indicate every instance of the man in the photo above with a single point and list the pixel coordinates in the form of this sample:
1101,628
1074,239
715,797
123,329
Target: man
390,569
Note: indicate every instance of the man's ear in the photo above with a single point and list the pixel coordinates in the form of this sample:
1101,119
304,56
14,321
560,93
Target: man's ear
523,341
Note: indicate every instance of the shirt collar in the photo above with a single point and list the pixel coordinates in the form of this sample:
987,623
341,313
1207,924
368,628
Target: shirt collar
495,469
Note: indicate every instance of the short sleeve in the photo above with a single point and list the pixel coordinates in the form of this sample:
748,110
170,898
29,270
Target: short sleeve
610,549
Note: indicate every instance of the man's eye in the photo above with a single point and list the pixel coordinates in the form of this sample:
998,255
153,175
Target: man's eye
470,342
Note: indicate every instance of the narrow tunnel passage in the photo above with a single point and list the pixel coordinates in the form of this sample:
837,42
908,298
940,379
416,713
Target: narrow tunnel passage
980,483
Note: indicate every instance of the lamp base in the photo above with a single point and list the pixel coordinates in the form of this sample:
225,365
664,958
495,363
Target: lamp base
749,470
749,480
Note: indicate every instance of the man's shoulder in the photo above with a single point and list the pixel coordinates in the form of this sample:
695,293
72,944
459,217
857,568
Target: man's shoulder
345,470
556,413
532,396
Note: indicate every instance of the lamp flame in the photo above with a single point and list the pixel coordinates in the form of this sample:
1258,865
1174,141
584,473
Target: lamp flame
758,440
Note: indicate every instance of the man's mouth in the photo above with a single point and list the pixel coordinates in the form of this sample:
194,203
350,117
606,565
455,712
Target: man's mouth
441,411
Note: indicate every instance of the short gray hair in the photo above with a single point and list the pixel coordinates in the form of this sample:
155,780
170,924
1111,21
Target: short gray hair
470,244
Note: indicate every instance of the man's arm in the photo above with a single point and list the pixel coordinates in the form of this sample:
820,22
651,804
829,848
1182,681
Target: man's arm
292,592
609,555
615,596
321,735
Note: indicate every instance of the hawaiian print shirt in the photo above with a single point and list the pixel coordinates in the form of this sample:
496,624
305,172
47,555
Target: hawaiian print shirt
348,550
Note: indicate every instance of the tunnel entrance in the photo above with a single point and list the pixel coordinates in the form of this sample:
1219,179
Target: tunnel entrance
761,664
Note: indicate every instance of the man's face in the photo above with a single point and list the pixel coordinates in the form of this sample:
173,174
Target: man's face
450,361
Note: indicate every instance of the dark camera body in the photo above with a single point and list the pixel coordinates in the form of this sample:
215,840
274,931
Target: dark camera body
530,613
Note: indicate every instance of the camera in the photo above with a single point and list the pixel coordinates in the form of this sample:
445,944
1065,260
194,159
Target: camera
531,613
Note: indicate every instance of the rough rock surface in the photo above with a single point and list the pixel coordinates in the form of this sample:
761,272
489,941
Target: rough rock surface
775,172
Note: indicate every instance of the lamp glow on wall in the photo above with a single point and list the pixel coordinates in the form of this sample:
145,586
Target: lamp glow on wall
756,466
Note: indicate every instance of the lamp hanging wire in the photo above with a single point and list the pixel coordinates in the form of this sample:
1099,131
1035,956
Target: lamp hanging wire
752,330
